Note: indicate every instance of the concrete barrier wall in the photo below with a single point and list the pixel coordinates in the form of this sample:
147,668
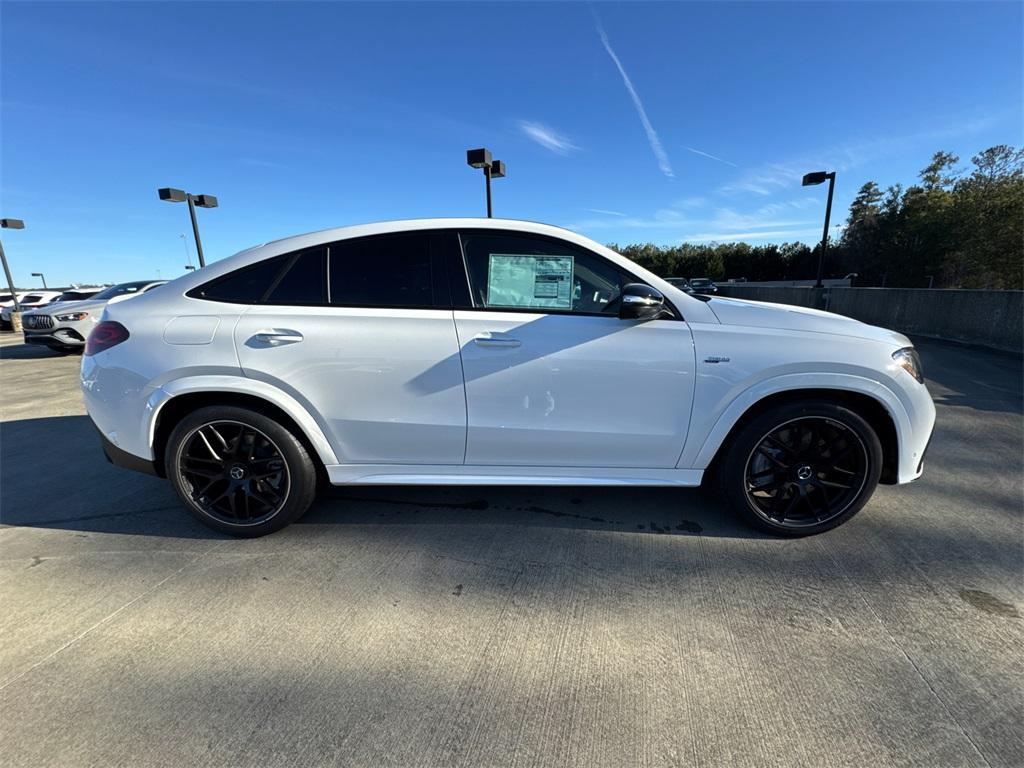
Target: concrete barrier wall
990,318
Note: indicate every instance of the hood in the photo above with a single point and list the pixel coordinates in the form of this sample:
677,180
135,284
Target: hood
762,314
63,307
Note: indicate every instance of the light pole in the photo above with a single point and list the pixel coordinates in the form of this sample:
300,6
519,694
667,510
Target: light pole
10,224
172,195
42,277
810,180
493,169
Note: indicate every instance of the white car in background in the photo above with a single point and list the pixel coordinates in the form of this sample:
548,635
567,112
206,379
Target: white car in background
486,351
26,301
63,326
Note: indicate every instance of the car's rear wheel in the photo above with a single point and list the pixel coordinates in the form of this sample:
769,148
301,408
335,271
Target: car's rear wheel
239,471
801,468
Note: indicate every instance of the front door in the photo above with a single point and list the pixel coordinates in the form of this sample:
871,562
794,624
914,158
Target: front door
553,377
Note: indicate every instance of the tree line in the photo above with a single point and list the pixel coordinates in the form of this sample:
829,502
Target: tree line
955,228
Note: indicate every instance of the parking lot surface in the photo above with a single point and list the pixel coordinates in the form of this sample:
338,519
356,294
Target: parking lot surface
510,626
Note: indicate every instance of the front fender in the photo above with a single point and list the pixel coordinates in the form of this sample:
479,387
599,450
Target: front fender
701,449
163,394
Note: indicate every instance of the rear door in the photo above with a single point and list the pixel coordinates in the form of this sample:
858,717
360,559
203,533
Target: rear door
361,332
553,377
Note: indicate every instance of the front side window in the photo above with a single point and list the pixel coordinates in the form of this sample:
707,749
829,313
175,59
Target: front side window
382,271
525,272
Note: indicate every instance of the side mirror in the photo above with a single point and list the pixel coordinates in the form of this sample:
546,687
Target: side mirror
640,302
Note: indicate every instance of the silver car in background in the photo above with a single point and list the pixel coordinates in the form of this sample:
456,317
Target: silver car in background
65,325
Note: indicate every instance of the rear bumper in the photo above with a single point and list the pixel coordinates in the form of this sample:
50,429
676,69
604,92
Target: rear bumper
121,458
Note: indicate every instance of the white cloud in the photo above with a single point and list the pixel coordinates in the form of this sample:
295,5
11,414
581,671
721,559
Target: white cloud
697,222
605,211
547,137
708,154
728,237
652,136
769,178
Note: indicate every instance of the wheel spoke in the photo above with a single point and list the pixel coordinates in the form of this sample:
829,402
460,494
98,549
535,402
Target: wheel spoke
818,486
777,443
765,452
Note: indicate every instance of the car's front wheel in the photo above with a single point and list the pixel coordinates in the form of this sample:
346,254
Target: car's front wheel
239,471
801,468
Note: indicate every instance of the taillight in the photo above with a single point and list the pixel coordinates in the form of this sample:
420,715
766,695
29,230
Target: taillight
104,336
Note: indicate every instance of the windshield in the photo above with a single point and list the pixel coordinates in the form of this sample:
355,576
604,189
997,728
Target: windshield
700,281
121,290
76,295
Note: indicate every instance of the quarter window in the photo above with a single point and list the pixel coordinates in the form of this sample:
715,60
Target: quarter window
382,271
522,272
243,286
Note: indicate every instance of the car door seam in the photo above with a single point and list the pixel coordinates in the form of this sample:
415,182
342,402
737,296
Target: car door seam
465,393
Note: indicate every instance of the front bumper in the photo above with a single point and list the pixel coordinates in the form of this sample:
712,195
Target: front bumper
67,338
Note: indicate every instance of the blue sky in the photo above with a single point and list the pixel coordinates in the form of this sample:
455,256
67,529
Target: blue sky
628,122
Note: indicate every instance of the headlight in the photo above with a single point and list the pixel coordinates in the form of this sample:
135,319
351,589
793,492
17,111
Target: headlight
72,317
908,359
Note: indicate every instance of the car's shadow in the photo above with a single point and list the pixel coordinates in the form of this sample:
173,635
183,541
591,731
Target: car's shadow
87,494
28,352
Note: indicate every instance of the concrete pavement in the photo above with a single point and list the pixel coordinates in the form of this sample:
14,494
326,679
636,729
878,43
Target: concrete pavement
502,626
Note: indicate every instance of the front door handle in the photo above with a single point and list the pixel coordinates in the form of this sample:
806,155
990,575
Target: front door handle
275,336
495,339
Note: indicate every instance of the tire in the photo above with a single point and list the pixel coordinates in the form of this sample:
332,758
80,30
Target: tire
801,468
239,471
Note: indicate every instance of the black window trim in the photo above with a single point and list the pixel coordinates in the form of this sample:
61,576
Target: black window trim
447,262
676,314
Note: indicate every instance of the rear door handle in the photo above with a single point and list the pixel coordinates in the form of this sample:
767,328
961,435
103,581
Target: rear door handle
495,339
275,336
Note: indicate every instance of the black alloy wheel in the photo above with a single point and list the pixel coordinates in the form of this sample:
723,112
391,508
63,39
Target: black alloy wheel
236,473
240,471
801,468
806,472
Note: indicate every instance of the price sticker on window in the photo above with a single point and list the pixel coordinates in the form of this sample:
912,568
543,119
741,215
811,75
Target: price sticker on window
518,280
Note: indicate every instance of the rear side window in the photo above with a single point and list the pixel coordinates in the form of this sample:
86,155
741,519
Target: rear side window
382,271
303,283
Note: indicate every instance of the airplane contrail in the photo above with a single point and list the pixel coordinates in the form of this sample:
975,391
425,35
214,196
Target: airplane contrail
652,135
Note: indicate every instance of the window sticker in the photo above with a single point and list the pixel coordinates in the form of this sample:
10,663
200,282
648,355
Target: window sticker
530,281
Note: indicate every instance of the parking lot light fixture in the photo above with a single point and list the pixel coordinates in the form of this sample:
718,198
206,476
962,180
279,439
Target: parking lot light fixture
172,195
810,180
42,277
10,224
493,169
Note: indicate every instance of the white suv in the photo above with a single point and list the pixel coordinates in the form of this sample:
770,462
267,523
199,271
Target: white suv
483,351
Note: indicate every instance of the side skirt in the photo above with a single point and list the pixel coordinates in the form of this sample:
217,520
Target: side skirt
458,474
